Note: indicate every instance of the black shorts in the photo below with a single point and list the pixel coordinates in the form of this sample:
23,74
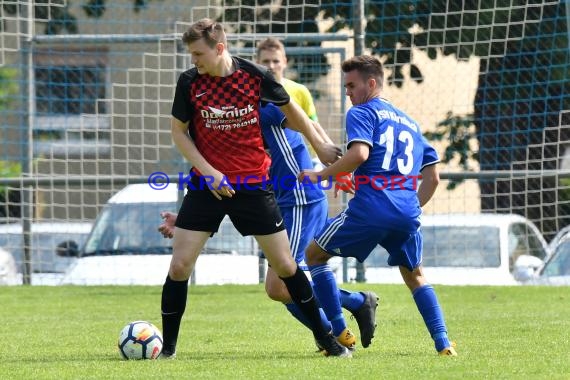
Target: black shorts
252,210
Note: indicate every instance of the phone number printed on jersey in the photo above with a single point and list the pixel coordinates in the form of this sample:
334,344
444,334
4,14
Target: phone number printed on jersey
227,127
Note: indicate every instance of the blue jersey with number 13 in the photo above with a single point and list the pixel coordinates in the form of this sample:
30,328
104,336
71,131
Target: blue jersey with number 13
389,178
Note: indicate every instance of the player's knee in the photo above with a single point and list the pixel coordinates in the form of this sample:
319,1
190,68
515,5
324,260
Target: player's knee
314,255
277,293
269,290
413,279
284,266
180,270
310,259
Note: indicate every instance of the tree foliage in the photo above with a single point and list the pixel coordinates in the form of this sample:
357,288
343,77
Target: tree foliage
8,86
241,16
9,198
523,83
458,132
58,17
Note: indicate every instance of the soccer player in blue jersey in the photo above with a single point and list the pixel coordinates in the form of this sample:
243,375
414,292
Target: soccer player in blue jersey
387,153
304,209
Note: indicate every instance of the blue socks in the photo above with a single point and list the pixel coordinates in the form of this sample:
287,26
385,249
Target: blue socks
348,300
298,314
325,287
429,308
351,301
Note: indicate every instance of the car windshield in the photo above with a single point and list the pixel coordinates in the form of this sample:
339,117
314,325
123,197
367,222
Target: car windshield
559,264
453,246
123,228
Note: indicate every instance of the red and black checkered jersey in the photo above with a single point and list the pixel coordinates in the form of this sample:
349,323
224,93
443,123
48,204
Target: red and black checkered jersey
224,116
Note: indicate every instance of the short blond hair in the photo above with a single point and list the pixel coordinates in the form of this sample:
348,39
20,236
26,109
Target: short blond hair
270,44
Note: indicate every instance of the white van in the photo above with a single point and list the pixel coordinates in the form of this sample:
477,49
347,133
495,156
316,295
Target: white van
125,247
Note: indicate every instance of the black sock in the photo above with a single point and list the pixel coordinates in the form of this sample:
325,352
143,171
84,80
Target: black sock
302,294
173,304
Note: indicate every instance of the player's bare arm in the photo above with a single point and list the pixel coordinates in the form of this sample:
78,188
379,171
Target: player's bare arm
186,146
318,129
327,152
356,154
429,183
321,132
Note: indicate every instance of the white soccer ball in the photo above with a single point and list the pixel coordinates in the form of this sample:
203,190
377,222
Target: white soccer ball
140,340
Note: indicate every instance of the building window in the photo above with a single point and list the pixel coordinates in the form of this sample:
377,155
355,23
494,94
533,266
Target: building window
69,90
70,109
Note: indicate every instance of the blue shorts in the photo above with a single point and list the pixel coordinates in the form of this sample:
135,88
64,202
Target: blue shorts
346,236
302,224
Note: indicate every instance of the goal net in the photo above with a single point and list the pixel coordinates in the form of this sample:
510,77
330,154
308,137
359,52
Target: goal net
86,89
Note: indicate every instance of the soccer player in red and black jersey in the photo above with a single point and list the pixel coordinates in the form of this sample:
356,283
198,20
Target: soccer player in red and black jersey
216,127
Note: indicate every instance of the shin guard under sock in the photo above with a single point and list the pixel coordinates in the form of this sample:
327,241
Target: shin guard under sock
173,304
429,308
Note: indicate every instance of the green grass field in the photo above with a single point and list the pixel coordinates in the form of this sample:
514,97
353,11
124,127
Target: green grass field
236,332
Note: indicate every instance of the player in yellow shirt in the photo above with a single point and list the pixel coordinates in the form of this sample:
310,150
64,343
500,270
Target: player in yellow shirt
271,53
